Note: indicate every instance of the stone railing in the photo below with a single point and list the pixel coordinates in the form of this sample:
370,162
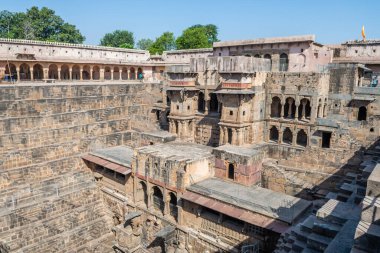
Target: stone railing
182,83
236,85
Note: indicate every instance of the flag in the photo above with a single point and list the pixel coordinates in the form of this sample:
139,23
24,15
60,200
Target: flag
363,33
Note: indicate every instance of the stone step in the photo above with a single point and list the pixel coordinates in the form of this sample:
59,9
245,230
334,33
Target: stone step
318,242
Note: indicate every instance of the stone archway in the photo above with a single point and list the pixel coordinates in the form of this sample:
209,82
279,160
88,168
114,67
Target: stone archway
38,72
65,72
53,71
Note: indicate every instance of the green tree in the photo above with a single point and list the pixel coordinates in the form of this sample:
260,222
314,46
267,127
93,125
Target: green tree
38,24
197,36
144,44
165,42
118,38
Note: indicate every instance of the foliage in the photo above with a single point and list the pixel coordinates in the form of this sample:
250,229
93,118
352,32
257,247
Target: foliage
118,38
198,36
38,24
144,44
163,43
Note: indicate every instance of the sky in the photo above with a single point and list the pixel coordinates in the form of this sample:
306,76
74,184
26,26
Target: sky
332,21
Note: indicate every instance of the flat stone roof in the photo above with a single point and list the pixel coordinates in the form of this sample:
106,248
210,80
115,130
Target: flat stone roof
288,39
248,151
181,151
256,199
119,154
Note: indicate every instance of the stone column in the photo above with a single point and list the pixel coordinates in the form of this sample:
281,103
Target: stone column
320,108
129,73
239,137
290,108
18,74
234,139
120,73
303,110
45,73
111,74
166,202
149,195
280,133
101,72
294,140
184,128
81,73
70,74
91,69
31,74
225,135
296,115
282,110
59,74
221,135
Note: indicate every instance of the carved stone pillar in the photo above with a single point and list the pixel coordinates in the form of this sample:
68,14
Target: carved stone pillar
282,110
129,74
221,135
81,73
31,74
111,74
59,74
101,74
303,110
294,140
297,111
290,108
280,134
91,70
70,74
18,74
234,135
225,135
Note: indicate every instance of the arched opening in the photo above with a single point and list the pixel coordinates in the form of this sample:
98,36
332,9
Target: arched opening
96,73
75,73
304,109
132,74
229,135
124,74
107,73
86,74
141,193
269,57
213,103
257,56
53,71
362,114
273,134
140,74
116,73
231,171
158,199
38,72
287,137
290,108
24,72
275,111
11,72
201,102
65,72
284,62
301,138
173,205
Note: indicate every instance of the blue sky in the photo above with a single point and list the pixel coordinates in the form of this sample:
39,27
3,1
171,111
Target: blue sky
331,21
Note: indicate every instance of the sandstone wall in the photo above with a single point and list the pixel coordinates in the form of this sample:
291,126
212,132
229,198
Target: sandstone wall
49,202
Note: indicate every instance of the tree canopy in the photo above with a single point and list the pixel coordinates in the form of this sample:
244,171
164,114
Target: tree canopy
197,36
38,24
118,38
144,44
163,43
